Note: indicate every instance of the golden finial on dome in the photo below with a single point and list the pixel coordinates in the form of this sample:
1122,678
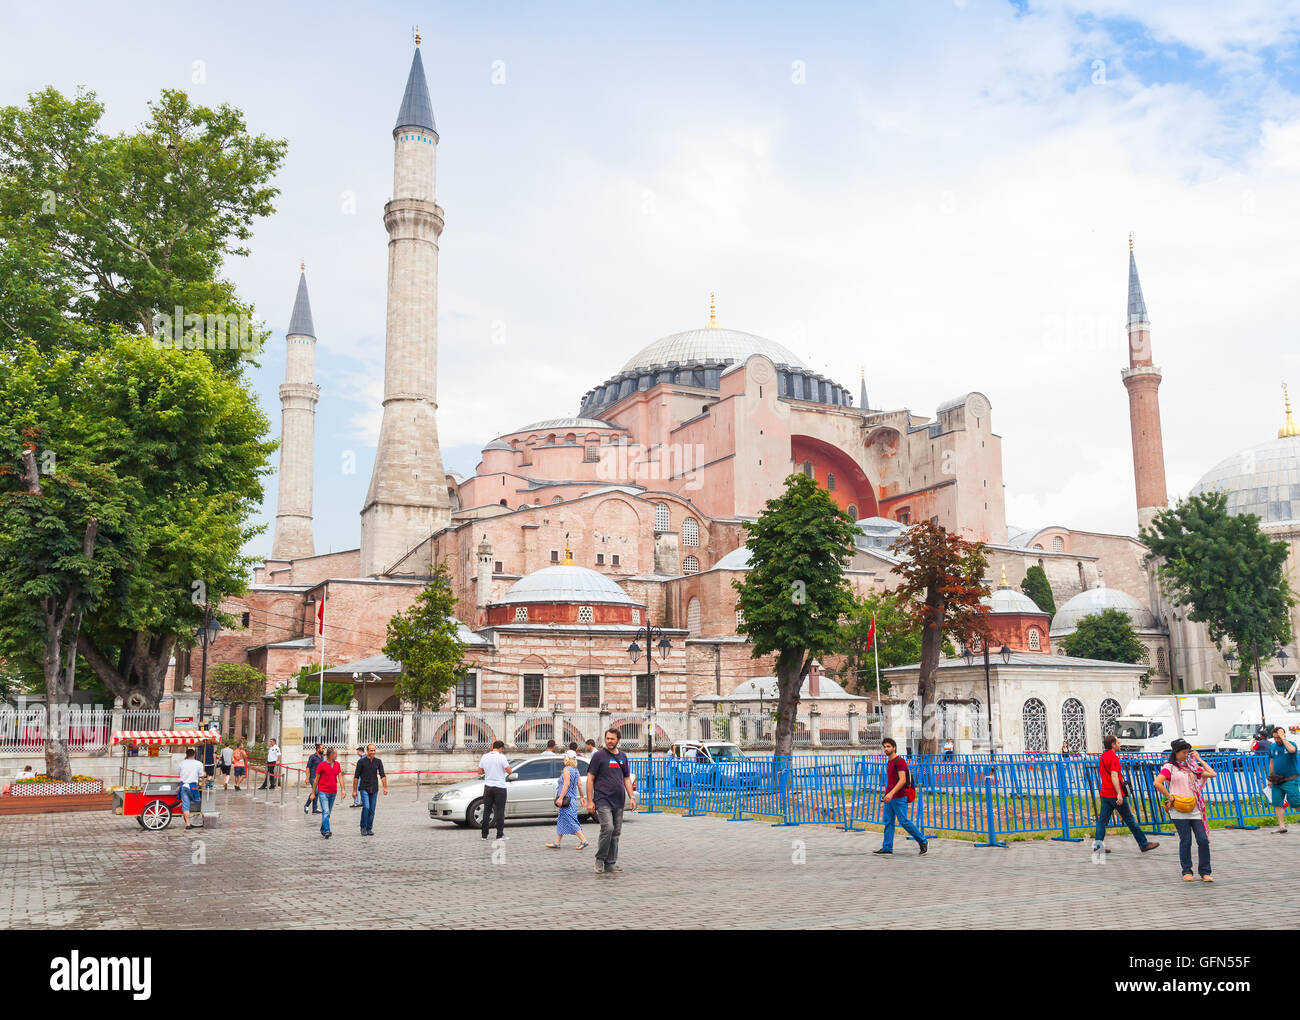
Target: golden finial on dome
1130,240
1289,427
302,266
1004,577
713,312
568,553
417,35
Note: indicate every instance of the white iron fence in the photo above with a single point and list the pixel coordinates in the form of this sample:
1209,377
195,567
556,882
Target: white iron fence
327,725
82,727
435,730
383,729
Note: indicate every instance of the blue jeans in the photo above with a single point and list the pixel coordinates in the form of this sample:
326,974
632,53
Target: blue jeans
325,801
1109,806
1187,828
190,796
896,812
369,801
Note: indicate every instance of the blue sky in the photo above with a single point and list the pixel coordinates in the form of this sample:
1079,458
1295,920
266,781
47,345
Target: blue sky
941,192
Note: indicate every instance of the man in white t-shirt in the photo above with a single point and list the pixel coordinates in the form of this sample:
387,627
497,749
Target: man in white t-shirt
272,756
495,768
191,775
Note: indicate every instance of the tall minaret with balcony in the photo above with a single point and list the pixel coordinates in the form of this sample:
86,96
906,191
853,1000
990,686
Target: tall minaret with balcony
1142,380
298,395
407,500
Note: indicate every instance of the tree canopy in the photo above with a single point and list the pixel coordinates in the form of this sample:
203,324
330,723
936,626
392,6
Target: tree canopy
943,582
424,640
794,596
1108,636
1037,588
234,682
1225,571
897,639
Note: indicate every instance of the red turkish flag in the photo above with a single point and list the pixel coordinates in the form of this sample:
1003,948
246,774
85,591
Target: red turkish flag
871,632
320,614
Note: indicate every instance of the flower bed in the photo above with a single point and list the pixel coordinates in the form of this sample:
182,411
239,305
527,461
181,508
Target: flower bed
43,787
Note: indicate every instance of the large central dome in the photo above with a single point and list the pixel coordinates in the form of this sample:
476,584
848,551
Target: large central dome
698,357
1262,480
710,344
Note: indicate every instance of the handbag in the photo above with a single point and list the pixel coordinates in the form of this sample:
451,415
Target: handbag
909,789
567,799
1184,804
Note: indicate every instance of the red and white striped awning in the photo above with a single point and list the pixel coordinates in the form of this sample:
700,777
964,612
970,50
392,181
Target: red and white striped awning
168,738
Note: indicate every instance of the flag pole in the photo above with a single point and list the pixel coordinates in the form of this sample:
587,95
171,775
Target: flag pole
875,651
320,704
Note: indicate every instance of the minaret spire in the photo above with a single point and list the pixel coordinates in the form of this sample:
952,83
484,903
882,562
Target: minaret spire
862,403
1289,427
1142,380
407,500
299,393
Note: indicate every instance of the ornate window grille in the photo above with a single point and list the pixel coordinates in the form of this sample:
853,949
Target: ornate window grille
1034,720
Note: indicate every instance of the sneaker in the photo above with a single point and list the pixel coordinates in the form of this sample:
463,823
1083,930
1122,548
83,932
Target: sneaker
1279,832
881,852
600,867
924,847
305,807
1149,847
613,869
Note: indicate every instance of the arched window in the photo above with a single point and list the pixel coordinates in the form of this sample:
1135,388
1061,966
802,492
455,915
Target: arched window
830,482
1058,544
1033,719
661,517
1145,657
690,531
807,468
1109,713
690,565
1034,644
1073,724
979,725
1162,664
693,614
740,618
1083,585
853,511
558,499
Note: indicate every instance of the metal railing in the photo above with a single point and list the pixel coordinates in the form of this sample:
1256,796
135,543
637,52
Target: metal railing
327,725
959,794
434,730
383,729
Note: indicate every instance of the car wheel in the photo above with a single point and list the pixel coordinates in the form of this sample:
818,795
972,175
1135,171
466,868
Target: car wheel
474,814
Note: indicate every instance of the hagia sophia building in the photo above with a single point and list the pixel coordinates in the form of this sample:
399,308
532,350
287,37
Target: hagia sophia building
576,531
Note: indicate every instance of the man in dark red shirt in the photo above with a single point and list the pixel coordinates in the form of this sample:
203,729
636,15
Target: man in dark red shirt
897,781
1113,799
324,788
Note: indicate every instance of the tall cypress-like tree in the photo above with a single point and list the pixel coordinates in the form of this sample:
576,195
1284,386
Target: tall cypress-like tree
1037,588
795,594
424,640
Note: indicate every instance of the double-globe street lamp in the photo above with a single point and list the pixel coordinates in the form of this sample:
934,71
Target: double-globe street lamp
1280,654
634,652
206,635
969,656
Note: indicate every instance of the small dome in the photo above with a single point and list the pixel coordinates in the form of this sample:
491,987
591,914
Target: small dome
711,344
1093,601
1006,599
497,444
567,423
566,583
1263,480
737,559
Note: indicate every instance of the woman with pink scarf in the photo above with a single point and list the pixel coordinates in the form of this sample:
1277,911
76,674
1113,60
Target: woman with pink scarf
1181,780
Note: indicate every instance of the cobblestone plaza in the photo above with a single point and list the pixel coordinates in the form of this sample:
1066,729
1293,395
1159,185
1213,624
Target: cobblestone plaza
265,866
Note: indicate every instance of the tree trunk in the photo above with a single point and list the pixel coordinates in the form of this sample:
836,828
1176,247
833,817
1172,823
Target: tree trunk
791,665
141,669
931,649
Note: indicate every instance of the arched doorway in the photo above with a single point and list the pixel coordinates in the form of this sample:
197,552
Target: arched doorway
1074,725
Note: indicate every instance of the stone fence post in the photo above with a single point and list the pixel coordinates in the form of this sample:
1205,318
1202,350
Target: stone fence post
557,727
354,726
116,723
458,731
814,725
604,725
509,735
408,726
853,726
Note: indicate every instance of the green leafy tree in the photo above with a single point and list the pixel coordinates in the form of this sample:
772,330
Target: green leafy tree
336,693
1107,636
236,682
942,582
795,594
897,639
1225,571
424,640
113,229
1036,587
64,527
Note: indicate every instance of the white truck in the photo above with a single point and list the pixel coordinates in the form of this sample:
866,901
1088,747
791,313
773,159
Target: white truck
1241,736
1150,723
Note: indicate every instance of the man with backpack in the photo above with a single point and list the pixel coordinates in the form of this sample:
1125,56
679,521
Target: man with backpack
899,792
1113,798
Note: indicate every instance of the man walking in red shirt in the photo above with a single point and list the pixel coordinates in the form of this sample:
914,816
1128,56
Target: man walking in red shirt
325,786
898,780
1113,799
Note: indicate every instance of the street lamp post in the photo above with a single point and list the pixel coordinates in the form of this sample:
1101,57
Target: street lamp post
969,656
1259,684
634,653
207,634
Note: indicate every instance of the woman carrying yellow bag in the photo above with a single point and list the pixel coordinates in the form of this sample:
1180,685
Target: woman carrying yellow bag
1181,780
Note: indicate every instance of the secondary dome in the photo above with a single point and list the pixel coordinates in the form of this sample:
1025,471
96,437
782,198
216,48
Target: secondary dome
1008,600
1095,600
711,344
566,583
1262,480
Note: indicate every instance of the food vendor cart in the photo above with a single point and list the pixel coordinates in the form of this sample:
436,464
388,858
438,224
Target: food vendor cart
152,804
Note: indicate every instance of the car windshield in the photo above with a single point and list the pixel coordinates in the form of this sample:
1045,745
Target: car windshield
724,751
1241,731
1132,729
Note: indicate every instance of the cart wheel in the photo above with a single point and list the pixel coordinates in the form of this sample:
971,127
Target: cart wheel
156,816
139,819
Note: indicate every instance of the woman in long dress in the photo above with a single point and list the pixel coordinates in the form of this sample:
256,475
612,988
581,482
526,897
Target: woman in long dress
566,822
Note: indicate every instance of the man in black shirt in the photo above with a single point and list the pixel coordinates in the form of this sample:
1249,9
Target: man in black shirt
609,786
366,777
317,756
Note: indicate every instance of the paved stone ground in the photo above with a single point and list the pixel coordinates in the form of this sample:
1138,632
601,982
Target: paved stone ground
266,866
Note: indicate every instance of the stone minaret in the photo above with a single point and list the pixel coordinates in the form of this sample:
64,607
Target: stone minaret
1142,380
407,500
298,396
483,594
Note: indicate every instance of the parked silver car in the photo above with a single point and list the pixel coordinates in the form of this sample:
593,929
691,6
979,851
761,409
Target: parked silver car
530,793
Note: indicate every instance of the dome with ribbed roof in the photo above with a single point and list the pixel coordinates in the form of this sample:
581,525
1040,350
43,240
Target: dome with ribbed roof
1263,480
566,583
1096,600
1006,599
711,344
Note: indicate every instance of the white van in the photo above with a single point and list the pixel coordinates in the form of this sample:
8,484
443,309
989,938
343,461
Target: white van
1152,723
